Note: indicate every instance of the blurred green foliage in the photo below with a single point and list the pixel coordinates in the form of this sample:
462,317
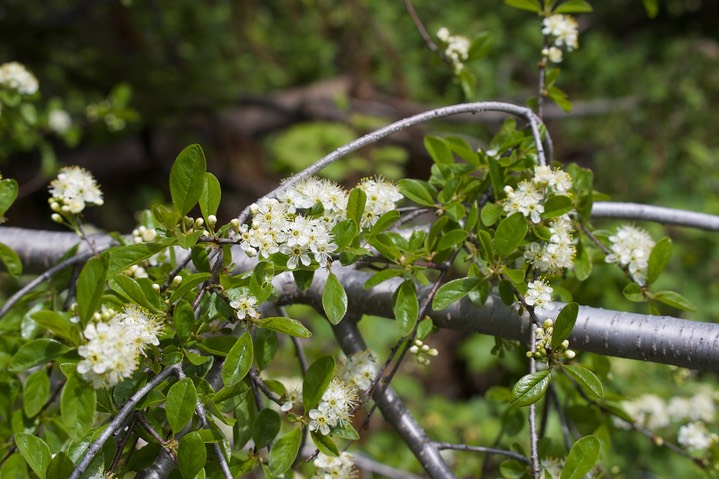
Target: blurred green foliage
654,81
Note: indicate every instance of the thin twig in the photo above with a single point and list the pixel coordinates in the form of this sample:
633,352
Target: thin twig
15,298
117,421
483,450
257,380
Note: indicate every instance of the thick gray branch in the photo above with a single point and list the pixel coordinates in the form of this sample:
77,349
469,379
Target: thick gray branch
661,339
657,214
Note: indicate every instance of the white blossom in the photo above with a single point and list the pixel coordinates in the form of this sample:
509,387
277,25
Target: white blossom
631,247
456,48
526,199
73,189
564,30
59,121
695,437
539,295
113,348
15,76
340,467
244,304
359,370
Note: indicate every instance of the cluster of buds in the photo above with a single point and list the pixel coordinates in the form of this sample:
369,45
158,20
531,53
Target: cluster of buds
142,234
422,352
199,224
543,345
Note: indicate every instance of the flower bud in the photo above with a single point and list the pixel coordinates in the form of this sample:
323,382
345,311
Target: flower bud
56,218
212,220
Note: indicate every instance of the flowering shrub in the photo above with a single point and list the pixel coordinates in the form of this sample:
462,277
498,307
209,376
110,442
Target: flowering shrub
165,344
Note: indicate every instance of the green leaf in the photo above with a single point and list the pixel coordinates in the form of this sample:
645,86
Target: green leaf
284,452
77,406
516,276
58,324
452,291
180,404
191,455
587,380
510,233
582,263
530,5
187,178
123,257
557,206
131,291
651,7
265,348
265,428
452,239
334,299
574,6
36,392
490,213
355,205
582,458
564,324
438,150
345,431
285,325
382,276
344,233
674,299
530,388
61,466
8,193
36,352
238,361
658,259
35,452
183,319
418,191
11,260
560,98
406,307
385,221
317,378
90,286
210,196
506,292
325,444
512,469
633,292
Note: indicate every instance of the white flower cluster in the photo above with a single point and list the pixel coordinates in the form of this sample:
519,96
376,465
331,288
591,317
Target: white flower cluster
563,28
72,190
340,467
143,234
456,48
15,76
334,409
59,121
695,437
631,247
359,370
114,347
244,304
652,412
529,198
539,296
423,352
279,227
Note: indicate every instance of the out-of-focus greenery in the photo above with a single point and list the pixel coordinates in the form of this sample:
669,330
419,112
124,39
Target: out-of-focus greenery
180,57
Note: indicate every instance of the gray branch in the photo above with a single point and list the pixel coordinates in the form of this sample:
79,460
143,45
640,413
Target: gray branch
657,214
394,410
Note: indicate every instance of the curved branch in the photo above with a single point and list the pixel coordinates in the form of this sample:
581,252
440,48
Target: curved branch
375,136
658,214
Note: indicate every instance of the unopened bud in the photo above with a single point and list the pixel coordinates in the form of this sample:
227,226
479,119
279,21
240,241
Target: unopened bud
56,218
569,354
156,287
212,220
176,280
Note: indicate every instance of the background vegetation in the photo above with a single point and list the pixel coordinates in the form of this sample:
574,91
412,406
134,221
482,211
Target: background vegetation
269,86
